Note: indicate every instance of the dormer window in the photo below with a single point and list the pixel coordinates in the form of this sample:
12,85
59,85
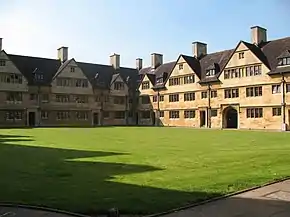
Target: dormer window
284,58
210,72
38,77
159,80
284,61
180,66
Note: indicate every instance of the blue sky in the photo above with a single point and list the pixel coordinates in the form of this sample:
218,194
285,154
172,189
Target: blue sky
94,29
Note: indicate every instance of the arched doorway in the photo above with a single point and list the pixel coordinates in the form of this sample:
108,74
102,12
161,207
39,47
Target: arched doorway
230,117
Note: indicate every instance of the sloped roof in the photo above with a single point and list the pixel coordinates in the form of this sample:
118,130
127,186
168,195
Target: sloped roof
27,65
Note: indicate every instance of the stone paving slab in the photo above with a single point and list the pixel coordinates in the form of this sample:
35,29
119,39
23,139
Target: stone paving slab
269,201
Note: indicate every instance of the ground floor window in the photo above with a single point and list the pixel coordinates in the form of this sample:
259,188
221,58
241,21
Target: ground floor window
146,114
174,114
276,111
213,112
254,112
189,114
82,115
106,114
14,115
44,115
63,115
161,114
119,115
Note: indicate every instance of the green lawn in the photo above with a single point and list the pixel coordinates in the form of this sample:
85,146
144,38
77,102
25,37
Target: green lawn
139,170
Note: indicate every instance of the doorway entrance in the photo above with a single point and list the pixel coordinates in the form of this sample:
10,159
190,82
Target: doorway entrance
202,118
31,119
153,118
96,119
230,118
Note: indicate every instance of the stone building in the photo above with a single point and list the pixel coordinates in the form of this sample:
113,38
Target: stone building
244,87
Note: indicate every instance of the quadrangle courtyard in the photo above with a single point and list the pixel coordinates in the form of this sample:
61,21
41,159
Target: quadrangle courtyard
139,170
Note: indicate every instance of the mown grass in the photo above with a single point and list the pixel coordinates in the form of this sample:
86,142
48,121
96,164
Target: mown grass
139,170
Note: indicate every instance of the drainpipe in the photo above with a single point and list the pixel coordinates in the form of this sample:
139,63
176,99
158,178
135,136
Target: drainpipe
38,105
102,108
158,108
283,104
209,108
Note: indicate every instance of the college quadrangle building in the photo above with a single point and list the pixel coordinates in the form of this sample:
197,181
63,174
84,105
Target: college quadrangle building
247,87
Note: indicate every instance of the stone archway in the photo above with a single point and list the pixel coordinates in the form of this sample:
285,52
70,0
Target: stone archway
230,118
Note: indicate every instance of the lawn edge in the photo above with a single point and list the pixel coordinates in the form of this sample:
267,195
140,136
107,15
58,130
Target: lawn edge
47,209
181,208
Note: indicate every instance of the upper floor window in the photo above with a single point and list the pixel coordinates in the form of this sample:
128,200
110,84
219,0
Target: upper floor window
81,83
213,94
44,98
210,72
284,61
241,55
119,100
243,71
145,99
180,66
174,81
204,94
38,77
145,85
188,79
232,93
155,98
80,99
173,97
2,62
189,97
254,91
276,88
119,85
72,69
14,96
11,78
159,81
161,98
62,98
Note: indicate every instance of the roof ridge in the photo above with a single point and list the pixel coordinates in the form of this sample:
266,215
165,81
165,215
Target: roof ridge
44,58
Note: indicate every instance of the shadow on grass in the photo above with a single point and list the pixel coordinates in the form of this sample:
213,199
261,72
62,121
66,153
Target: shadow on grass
64,179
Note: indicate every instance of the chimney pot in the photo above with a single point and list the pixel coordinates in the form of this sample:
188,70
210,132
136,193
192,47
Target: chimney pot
1,39
62,54
199,49
139,63
115,60
258,35
156,60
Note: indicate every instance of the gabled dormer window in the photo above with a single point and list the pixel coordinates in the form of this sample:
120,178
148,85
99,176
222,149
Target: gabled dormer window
284,58
159,81
2,62
284,61
210,72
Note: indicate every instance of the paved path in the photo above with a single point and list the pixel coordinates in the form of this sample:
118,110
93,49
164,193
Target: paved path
269,201
10,211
